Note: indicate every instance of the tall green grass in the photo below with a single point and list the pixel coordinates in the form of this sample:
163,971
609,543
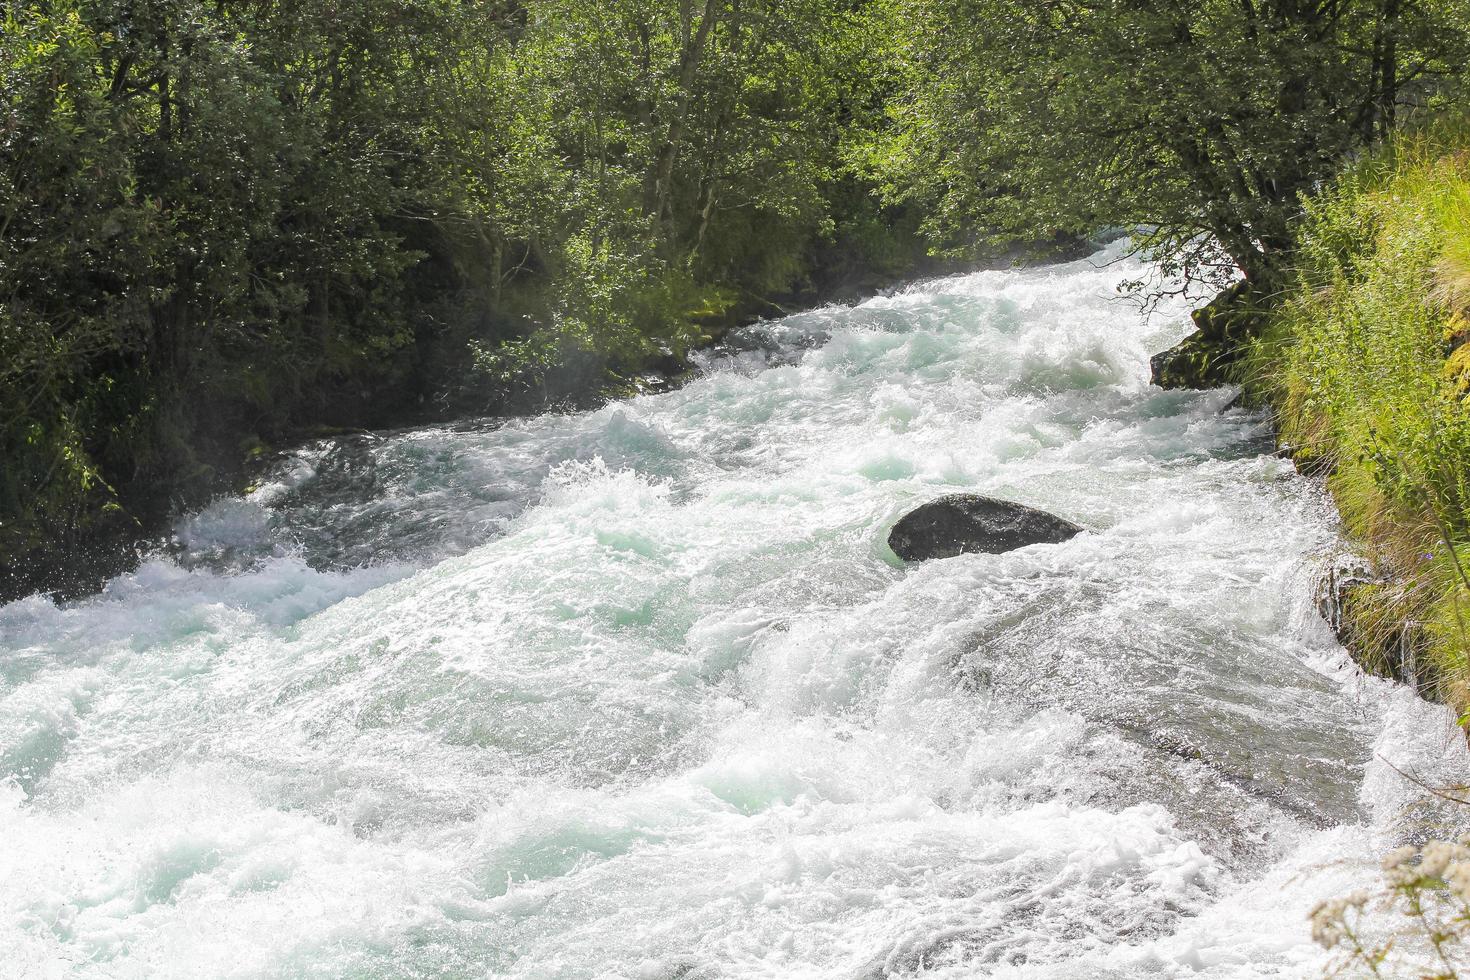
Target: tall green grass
1364,362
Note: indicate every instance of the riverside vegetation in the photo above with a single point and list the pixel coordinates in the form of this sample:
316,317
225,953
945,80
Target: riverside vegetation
1365,360
227,225
1366,363
224,226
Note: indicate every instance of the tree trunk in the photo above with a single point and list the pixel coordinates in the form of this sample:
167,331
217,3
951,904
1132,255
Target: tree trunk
668,153
1388,87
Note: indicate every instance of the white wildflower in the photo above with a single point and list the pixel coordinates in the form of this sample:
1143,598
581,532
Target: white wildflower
1329,918
1327,925
1457,876
1399,867
1398,857
1437,856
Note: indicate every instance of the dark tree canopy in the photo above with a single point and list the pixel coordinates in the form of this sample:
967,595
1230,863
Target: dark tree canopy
223,224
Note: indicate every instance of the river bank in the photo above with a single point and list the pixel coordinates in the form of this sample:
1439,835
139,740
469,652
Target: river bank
1365,366
78,560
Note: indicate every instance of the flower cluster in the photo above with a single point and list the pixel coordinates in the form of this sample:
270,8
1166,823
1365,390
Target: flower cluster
1431,886
1443,865
1330,925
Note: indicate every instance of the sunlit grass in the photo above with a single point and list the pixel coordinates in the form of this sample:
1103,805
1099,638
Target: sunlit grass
1364,363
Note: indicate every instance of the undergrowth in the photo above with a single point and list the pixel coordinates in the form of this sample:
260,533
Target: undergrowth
1367,363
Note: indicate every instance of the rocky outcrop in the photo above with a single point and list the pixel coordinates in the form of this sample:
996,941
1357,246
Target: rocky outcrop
1334,590
1204,359
967,522
1364,610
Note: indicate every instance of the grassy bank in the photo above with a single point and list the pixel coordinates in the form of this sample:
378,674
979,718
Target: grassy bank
1367,361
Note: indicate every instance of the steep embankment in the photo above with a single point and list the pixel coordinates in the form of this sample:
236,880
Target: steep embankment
1367,364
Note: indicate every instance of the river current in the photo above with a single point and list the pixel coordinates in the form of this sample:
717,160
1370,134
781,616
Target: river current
641,693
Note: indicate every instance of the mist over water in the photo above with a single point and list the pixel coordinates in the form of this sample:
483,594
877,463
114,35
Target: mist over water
642,693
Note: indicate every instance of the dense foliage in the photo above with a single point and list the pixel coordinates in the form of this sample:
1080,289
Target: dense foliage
1202,122
224,224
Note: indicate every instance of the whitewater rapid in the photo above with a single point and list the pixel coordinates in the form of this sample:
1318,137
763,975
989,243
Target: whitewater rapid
641,693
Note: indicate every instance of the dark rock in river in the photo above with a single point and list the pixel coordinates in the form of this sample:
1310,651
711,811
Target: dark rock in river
1207,357
967,522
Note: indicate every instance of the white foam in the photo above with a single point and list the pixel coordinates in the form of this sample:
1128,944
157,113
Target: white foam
641,692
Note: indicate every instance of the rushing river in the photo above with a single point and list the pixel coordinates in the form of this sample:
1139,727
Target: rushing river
641,692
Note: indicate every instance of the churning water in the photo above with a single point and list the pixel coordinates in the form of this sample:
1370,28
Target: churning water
641,692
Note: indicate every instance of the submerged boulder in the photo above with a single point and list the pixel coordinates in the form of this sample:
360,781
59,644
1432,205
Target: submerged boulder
968,522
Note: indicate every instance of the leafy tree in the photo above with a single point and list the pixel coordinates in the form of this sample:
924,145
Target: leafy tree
210,218
661,158
223,223
1201,122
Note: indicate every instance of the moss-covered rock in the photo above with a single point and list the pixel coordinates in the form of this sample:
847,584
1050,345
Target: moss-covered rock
1367,613
1457,359
1207,357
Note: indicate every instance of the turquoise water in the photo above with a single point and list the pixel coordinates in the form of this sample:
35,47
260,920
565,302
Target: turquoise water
641,692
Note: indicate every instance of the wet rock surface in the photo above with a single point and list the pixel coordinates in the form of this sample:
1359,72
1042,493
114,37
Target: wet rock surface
964,523
1205,358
